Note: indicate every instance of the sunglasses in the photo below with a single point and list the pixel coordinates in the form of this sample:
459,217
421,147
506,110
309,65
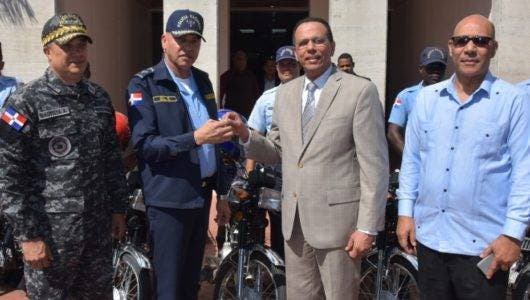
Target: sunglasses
479,41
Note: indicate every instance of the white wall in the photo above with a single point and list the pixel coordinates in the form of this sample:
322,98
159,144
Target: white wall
21,43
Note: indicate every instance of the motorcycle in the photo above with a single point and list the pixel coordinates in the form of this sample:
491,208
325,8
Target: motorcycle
132,267
249,269
386,271
11,264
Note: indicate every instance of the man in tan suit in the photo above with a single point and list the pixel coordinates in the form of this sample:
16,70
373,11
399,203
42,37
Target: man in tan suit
328,132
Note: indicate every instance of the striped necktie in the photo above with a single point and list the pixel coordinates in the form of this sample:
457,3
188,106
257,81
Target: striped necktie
309,110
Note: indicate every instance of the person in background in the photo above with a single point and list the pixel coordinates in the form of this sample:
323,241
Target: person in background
346,64
7,84
268,80
260,120
433,62
238,86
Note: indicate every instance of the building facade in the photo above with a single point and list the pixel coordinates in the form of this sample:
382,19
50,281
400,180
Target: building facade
384,37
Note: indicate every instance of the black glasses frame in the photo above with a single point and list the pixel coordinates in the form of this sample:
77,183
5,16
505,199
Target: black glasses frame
479,41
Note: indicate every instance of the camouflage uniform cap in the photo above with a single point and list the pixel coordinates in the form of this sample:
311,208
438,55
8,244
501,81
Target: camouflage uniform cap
63,28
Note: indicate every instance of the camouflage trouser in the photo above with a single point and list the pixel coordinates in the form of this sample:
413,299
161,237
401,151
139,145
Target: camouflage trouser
82,259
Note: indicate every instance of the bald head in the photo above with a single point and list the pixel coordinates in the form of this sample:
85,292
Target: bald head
475,25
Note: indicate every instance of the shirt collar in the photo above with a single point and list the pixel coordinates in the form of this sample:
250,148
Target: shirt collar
321,80
485,86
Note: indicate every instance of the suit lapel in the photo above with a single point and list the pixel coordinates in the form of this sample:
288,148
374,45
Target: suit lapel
326,98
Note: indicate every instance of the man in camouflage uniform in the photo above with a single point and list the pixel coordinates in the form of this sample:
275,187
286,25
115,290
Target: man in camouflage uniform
61,175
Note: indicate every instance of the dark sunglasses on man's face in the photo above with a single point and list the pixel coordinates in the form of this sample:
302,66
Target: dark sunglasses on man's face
479,41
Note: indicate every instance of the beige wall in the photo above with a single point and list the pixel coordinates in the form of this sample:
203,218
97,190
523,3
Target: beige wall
360,28
121,30
209,9
21,42
512,21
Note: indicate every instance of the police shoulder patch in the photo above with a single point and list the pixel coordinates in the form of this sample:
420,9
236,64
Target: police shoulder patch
145,72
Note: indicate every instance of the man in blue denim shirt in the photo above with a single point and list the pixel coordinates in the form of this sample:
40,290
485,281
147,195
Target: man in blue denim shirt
464,191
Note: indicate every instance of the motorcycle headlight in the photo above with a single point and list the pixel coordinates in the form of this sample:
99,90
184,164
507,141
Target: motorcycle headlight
270,199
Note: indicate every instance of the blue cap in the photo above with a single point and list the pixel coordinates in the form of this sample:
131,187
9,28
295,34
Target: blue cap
185,21
431,55
285,52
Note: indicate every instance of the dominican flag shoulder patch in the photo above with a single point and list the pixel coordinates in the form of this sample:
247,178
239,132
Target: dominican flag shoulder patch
14,119
398,102
135,98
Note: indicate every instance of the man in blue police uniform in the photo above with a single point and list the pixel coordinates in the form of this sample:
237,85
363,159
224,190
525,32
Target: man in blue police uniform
463,187
7,84
433,61
260,120
525,85
172,111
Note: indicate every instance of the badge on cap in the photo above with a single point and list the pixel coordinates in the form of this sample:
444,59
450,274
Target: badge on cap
14,119
59,146
135,99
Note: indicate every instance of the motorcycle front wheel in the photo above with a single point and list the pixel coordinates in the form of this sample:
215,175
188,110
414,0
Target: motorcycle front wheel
400,279
522,290
130,281
262,281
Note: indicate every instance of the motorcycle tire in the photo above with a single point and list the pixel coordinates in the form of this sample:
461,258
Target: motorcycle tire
399,271
225,279
130,280
522,290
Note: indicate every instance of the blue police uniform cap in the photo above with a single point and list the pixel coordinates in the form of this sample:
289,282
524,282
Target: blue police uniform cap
431,55
185,21
285,52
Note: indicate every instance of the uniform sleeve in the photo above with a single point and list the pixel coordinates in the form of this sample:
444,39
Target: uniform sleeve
257,119
398,115
23,209
148,143
114,172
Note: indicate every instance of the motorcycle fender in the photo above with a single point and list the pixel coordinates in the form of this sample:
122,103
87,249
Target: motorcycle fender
413,260
142,260
271,255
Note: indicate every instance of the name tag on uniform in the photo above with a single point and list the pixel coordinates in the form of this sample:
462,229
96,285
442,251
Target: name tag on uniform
164,99
210,96
103,109
52,113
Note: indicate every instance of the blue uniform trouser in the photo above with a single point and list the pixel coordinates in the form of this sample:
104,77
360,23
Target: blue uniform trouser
178,237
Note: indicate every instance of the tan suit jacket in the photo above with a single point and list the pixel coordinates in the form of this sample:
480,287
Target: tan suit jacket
338,179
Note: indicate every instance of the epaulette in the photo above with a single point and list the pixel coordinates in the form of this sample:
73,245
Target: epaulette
144,73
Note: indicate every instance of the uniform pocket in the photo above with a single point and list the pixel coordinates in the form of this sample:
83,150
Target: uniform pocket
489,138
427,135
